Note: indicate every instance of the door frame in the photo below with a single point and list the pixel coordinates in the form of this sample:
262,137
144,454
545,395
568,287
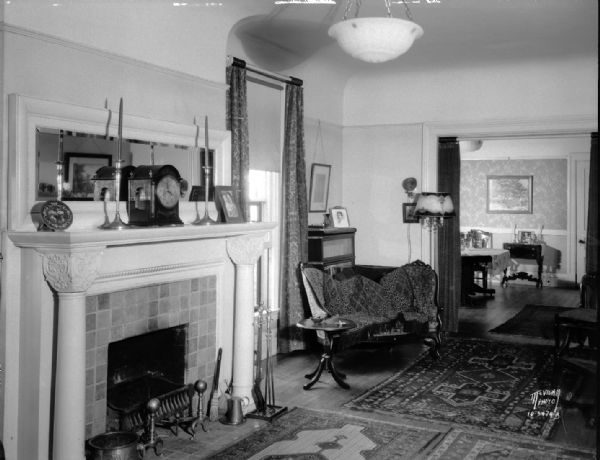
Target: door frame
575,160
496,129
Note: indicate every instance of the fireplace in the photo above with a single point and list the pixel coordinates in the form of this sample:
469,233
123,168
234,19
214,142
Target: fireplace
72,293
141,368
92,288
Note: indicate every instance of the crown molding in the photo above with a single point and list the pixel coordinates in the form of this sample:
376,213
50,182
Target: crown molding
57,41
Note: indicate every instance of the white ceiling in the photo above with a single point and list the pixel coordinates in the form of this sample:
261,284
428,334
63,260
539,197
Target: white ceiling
457,33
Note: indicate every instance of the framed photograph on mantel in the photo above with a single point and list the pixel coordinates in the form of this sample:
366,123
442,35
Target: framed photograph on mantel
227,205
509,194
319,187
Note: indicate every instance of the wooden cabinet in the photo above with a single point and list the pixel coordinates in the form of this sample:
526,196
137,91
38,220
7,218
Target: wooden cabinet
331,248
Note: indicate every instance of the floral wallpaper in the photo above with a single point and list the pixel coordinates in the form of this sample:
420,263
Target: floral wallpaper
549,193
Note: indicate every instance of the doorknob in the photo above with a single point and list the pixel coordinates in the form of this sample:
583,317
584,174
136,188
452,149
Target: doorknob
581,241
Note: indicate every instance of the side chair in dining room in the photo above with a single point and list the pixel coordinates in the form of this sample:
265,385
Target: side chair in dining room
576,335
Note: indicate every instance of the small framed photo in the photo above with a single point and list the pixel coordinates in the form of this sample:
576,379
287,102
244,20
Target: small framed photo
319,187
526,236
408,213
227,204
79,169
339,217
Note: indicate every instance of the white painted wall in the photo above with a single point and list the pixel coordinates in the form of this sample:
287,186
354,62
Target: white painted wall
382,114
522,90
376,161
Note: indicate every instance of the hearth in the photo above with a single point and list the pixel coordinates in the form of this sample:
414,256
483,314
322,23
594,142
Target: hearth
143,367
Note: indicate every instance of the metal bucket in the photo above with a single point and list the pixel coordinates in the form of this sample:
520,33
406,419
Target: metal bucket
116,445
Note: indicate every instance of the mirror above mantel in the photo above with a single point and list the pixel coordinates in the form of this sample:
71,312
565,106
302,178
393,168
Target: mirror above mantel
90,134
84,153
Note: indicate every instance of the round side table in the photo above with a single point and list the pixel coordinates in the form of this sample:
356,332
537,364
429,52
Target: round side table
333,328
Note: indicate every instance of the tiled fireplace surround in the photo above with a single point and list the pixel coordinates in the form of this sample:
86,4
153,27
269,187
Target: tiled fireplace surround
120,315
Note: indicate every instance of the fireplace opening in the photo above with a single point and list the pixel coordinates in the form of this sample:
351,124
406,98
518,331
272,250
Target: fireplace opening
141,368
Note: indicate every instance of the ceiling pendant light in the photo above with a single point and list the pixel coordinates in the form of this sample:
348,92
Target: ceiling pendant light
377,39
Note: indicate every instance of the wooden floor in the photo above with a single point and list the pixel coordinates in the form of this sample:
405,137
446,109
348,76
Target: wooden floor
367,367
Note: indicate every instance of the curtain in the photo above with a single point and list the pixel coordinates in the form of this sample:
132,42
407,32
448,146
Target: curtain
591,247
294,241
237,123
449,265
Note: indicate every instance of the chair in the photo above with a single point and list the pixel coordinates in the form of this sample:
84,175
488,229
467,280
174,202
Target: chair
576,347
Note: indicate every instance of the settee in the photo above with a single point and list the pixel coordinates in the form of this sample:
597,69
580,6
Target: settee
384,302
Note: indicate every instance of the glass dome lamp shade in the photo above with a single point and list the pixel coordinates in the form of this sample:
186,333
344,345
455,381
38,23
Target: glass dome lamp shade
377,39
433,207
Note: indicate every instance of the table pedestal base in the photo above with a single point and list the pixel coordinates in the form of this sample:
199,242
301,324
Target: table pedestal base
326,362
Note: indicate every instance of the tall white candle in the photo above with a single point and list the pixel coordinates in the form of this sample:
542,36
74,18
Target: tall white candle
120,131
206,143
60,146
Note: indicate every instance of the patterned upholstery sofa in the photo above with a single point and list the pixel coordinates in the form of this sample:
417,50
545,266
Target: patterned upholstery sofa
384,302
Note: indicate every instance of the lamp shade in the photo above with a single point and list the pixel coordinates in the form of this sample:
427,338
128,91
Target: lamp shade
434,204
377,39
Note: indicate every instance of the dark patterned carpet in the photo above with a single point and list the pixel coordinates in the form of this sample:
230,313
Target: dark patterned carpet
531,321
475,383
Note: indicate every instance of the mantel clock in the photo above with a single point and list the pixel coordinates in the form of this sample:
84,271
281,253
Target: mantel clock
154,194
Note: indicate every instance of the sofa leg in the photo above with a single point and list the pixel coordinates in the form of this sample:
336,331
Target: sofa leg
434,347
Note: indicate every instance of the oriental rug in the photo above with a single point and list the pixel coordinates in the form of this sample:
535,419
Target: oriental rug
501,387
308,434
531,321
303,434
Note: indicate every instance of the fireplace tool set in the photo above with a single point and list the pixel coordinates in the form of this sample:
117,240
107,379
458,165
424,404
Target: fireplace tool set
266,409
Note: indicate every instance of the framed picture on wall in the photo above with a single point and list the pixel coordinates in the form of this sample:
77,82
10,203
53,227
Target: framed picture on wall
319,187
509,194
408,213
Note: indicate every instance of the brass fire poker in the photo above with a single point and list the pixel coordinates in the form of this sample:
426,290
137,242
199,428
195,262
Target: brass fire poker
206,220
117,223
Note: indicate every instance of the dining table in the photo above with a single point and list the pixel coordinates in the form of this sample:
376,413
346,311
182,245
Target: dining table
485,260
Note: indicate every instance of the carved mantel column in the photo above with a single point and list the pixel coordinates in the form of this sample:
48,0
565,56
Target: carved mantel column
70,274
244,251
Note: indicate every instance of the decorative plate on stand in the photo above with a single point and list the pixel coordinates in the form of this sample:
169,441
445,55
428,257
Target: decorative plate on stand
55,215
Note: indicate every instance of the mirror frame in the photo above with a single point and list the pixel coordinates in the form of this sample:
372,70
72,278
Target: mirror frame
26,114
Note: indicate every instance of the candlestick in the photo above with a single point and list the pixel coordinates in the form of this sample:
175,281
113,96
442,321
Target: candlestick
206,220
59,180
59,167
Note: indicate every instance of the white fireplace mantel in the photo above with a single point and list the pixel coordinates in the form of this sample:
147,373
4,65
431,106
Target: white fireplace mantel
80,263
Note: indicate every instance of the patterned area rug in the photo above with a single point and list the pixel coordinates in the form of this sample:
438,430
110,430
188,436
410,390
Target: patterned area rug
460,444
490,385
303,434
531,321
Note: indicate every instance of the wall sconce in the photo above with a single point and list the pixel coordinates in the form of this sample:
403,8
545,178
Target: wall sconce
409,185
432,208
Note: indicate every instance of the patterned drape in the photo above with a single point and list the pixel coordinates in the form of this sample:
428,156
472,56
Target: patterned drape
237,123
592,238
449,265
294,245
